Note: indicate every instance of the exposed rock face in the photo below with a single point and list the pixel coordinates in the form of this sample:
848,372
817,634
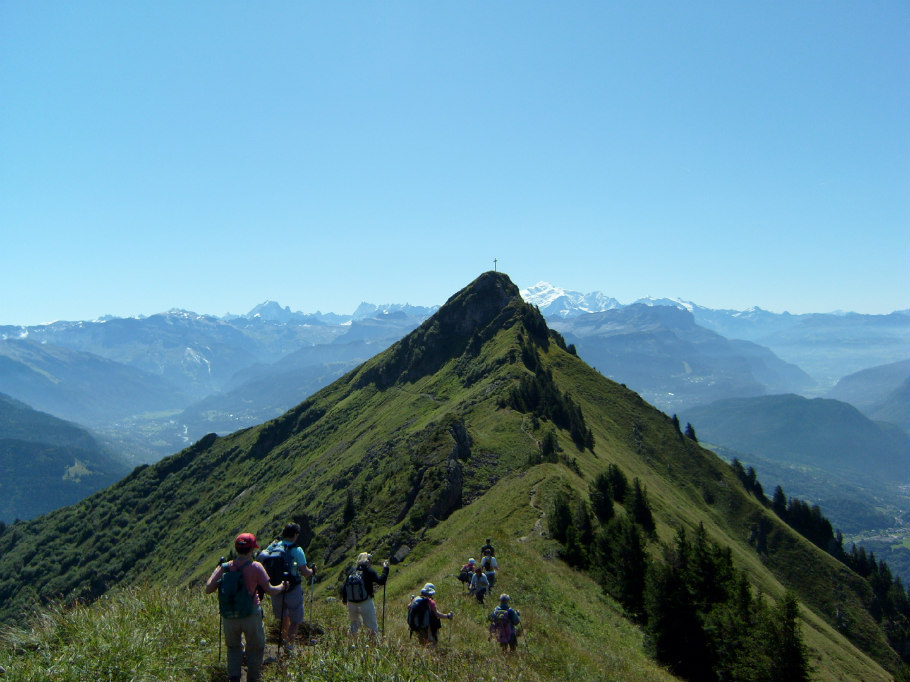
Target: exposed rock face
462,448
448,332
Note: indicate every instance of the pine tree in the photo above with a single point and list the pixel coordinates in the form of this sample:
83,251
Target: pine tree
619,484
779,503
620,555
601,496
674,633
641,509
561,517
790,662
690,433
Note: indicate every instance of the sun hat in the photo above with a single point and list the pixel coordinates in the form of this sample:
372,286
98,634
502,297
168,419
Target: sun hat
504,599
429,589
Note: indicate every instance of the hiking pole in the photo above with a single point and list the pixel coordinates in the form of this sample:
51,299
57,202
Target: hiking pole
220,563
383,610
284,603
312,616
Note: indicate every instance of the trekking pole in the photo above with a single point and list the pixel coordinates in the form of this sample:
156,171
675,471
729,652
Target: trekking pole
312,616
221,562
284,602
383,610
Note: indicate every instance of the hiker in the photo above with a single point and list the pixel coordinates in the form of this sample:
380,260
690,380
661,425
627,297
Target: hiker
357,593
504,622
488,546
238,582
284,557
464,575
489,565
424,617
479,584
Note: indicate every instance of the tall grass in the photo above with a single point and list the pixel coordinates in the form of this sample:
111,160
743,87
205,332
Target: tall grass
152,633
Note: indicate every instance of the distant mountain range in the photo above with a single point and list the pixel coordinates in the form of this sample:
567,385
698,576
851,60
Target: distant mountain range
148,386
481,422
827,346
820,450
819,433
882,393
673,362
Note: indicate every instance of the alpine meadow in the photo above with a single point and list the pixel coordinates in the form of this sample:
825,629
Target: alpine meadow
632,552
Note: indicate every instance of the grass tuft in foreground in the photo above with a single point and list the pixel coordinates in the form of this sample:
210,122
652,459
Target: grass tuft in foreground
152,633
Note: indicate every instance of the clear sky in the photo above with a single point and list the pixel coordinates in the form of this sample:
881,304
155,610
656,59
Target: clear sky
213,155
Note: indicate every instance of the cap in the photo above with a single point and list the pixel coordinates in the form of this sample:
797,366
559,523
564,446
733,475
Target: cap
471,561
504,599
429,589
245,541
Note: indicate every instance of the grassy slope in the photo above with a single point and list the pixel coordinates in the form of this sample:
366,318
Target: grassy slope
169,522
677,473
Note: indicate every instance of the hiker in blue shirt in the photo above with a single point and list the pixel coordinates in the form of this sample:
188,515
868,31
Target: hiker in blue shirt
480,585
504,622
489,565
288,606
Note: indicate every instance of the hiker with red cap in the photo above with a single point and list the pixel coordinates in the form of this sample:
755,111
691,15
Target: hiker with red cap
238,601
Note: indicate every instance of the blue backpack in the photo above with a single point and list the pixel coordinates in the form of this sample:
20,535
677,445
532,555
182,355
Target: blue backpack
276,559
234,600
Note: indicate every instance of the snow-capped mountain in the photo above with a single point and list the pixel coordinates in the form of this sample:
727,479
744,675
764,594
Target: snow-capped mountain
555,302
826,345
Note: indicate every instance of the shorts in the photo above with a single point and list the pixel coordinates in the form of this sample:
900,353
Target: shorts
289,603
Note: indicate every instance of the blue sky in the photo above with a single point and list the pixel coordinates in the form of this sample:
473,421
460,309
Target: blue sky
213,155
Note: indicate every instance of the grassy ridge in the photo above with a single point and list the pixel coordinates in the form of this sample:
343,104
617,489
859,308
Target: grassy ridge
570,629
421,438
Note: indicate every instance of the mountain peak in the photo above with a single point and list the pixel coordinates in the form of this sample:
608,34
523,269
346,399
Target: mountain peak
557,302
480,309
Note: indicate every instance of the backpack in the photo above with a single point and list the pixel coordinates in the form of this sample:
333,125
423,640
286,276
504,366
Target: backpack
276,559
486,563
502,625
234,600
355,589
419,614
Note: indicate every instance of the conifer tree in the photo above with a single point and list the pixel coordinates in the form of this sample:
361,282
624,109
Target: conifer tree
690,433
574,552
641,509
790,662
620,554
674,633
779,503
619,484
601,496
561,517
